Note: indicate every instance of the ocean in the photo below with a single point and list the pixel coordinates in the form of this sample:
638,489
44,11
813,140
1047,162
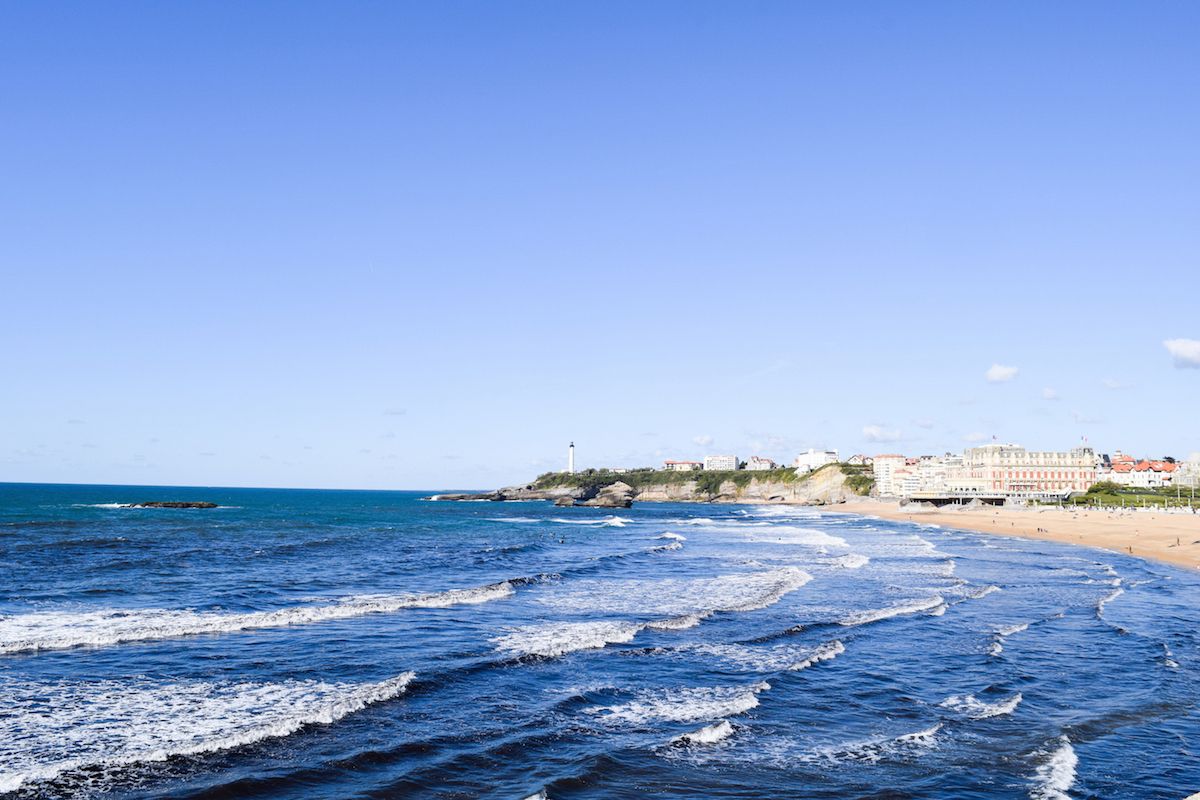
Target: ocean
338,644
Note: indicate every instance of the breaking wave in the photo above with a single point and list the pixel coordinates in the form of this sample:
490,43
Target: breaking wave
970,706
607,522
1056,774
741,591
682,705
929,604
688,603
850,561
872,750
709,734
558,639
771,659
59,630
65,727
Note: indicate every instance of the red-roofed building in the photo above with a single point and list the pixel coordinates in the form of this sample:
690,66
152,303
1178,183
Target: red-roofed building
1143,474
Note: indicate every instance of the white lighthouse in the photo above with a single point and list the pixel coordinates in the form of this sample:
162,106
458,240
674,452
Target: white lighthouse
571,459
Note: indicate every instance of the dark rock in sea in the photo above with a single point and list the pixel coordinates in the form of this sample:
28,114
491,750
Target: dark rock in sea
565,502
172,504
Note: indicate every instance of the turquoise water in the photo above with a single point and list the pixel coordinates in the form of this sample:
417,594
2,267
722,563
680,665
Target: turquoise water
319,644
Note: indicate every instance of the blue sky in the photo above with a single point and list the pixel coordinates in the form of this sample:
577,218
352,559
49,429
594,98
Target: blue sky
426,245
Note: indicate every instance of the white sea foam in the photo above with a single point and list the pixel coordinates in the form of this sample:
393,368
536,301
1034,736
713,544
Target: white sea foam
682,705
872,750
674,536
683,604
1056,774
512,519
556,639
57,630
976,594
826,652
973,707
792,535
851,561
607,522
674,544
927,604
796,512
682,622
59,728
1108,598
771,659
1002,633
740,591
709,734
1169,658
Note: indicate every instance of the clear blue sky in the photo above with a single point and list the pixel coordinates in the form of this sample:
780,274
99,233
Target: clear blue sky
426,245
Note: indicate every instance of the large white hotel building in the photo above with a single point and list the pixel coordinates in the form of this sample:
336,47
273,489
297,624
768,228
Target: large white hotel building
994,469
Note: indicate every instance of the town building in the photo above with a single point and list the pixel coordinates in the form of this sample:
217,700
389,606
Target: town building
1012,470
813,459
682,466
720,462
885,467
1144,474
859,460
758,463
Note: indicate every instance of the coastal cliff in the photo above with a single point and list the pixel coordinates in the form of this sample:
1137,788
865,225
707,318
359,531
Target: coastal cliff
833,483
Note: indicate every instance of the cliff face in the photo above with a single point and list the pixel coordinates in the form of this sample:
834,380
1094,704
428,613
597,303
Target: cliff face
825,486
821,488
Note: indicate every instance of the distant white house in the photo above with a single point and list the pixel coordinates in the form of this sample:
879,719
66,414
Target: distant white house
682,466
758,463
720,462
859,460
813,459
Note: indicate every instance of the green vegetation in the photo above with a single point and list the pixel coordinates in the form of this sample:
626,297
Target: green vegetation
707,481
1114,495
859,479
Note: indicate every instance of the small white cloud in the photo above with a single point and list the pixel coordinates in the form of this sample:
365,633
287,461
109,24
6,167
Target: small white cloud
877,433
998,373
1113,383
395,412
926,424
703,441
1084,419
1050,394
1186,352
975,438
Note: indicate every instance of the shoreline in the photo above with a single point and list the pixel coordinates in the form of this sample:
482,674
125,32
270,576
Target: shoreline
1168,538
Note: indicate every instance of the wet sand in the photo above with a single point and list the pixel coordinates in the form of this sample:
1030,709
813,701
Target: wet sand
1173,538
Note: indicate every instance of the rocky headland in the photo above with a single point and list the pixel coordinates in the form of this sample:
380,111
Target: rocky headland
831,484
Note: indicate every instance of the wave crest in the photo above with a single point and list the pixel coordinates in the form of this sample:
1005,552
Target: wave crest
105,725
59,630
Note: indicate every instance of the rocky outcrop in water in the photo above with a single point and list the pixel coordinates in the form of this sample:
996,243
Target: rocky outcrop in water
615,495
172,504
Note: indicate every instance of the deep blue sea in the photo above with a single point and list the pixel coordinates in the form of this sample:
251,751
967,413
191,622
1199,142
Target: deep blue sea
329,644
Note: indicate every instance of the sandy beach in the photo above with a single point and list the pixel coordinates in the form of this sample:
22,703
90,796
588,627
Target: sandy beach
1173,538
